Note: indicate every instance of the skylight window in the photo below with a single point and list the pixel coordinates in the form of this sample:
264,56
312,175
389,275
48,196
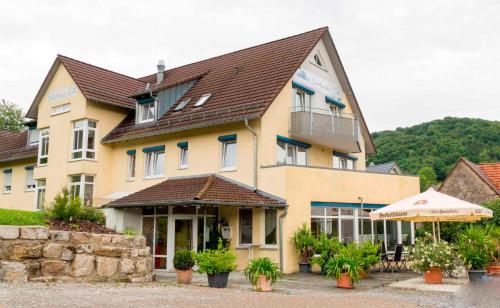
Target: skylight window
202,100
183,104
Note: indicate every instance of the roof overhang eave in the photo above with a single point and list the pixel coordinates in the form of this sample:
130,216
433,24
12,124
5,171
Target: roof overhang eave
192,203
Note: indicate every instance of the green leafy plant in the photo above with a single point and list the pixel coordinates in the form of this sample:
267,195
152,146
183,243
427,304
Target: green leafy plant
94,215
21,218
494,233
346,261
65,207
303,241
184,259
428,253
369,255
130,231
262,266
326,248
11,116
213,261
475,247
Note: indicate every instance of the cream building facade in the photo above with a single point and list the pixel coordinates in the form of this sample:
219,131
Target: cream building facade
245,146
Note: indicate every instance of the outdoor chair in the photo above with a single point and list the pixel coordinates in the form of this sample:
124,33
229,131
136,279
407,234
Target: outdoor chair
398,261
383,257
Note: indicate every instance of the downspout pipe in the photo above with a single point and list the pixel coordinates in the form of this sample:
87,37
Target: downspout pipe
255,143
280,226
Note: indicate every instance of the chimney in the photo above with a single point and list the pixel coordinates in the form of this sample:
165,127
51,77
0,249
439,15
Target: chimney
161,70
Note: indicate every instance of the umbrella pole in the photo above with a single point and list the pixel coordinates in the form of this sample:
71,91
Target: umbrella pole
439,231
434,231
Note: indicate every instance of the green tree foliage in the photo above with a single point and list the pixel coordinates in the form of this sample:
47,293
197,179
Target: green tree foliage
11,116
427,178
439,144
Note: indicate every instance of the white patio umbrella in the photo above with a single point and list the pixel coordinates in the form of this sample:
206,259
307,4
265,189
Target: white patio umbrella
432,206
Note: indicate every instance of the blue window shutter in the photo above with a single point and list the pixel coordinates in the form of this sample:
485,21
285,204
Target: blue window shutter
183,145
28,167
7,170
293,141
157,148
302,87
338,154
146,100
227,138
131,152
334,101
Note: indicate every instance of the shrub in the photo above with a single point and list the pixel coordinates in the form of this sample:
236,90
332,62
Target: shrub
213,261
130,231
475,247
326,248
494,234
303,241
184,259
65,207
21,218
262,266
428,253
369,255
346,261
94,215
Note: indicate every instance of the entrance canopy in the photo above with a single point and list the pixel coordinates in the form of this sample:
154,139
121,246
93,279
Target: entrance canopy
198,190
432,206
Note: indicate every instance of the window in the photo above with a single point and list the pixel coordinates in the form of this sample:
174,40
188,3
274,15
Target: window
154,164
82,186
302,101
131,164
30,182
83,139
183,104
336,110
43,149
146,112
40,194
245,226
33,137
344,162
270,227
183,163
317,60
202,100
338,222
7,180
291,154
61,109
229,155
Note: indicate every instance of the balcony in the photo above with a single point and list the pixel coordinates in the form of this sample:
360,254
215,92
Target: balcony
323,127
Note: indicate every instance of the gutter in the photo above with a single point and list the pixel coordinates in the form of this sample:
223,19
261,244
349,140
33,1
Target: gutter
255,144
280,226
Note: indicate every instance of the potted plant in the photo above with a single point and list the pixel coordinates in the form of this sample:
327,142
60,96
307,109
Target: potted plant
184,260
217,263
262,273
369,257
325,248
432,258
303,241
475,247
494,267
345,267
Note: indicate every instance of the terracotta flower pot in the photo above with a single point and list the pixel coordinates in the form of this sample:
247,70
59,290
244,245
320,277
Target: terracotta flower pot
363,274
344,282
493,269
184,276
433,275
263,284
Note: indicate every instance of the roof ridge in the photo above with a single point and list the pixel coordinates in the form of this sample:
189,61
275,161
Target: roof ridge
206,187
240,50
98,67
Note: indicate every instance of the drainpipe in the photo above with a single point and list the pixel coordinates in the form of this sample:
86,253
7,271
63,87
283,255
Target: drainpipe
280,225
254,153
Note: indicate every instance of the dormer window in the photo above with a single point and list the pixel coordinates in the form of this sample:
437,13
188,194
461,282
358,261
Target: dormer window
146,110
183,104
203,100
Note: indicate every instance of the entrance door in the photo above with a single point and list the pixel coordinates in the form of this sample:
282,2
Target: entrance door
183,234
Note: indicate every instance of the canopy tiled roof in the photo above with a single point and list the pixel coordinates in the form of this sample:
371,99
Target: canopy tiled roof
492,171
204,189
243,84
13,146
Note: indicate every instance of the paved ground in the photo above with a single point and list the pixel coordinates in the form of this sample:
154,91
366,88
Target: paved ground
293,291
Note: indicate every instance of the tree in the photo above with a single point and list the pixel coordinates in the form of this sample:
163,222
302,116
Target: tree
428,178
11,116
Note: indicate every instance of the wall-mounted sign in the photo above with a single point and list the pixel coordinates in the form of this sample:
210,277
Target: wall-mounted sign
62,93
317,83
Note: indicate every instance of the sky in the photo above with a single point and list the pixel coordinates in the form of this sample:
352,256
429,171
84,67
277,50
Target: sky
408,61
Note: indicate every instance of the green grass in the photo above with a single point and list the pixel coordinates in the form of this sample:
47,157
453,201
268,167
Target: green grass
21,218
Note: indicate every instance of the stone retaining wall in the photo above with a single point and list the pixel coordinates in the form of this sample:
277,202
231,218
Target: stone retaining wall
40,254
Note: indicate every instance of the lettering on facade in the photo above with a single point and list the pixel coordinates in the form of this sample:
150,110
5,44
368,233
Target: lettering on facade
324,86
62,93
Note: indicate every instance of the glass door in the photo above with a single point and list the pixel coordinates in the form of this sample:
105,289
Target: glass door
183,234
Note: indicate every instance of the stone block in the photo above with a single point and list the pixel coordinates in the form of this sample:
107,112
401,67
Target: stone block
67,254
9,232
108,251
52,251
81,238
118,239
127,266
32,268
61,236
82,265
139,241
143,265
144,252
23,250
53,267
84,248
34,233
13,272
105,239
106,267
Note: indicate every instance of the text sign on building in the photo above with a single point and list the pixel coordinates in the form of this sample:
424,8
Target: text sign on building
317,83
62,93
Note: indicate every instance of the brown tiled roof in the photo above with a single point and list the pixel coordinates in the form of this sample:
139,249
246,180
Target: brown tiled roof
243,84
492,171
13,146
205,189
482,175
97,84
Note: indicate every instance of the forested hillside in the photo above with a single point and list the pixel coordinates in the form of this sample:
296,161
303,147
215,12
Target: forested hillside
439,144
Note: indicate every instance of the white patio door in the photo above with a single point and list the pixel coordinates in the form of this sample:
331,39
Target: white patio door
181,235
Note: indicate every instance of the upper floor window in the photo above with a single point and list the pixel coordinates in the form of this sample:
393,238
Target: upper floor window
302,97
183,155
82,186
147,112
43,149
344,161
203,99
30,182
183,104
7,180
228,155
84,135
61,109
154,162
131,164
291,154
33,136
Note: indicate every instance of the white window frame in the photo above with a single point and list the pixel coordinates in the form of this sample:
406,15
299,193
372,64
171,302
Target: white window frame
295,149
40,187
152,157
131,161
56,110
44,143
182,104
81,183
305,101
31,137
184,158
142,109
30,181
7,179
264,244
86,128
223,155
